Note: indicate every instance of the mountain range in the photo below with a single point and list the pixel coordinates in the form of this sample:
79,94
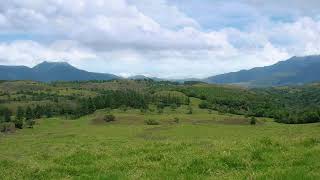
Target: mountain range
51,71
294,71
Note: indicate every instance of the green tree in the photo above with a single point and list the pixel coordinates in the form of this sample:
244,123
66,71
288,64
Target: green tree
48,111
18,122
91,106
37,112
253,121
7,115
29,113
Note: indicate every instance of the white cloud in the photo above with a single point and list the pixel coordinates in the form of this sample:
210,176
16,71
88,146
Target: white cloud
147,37
30,53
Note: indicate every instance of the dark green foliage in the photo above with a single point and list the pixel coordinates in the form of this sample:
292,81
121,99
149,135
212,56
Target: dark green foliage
253,121
29,113
286,105
48,111
37,112
91,105
109,118
204,105
18,122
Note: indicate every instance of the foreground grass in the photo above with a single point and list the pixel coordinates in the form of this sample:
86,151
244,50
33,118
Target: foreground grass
202,145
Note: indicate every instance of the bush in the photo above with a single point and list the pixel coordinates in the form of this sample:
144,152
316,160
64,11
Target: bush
204,105
173,106
190,110
203,97
109,118
151,122
30,123
7,127
143,110
176,120
18,123
253,121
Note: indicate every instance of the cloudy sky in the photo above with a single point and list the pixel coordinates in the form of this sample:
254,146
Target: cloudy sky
164,38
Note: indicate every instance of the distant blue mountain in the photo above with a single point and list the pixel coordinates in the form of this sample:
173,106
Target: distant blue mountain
51,71
294,71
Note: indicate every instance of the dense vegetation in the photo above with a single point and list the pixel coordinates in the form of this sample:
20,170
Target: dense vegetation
23,101
285,104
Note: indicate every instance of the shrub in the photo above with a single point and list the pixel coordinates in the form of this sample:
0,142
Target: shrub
7,127
143,110
123,108
190,110
151,122
204,105
18,123
30,123
253,121
176,120
109,118
173,106
203,97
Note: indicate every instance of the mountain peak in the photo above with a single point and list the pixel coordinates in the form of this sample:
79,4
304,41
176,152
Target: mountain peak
47,65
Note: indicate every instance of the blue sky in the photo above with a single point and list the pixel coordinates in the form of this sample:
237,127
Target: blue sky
168,39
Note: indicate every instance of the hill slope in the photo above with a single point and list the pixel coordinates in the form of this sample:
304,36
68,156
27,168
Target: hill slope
296,70
50,71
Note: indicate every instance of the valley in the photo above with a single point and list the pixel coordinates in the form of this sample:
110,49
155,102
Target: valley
141,129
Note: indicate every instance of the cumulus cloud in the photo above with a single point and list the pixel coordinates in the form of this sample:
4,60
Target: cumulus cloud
155,38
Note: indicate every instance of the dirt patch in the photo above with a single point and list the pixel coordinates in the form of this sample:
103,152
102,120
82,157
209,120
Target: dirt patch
126,120
98,120
226,121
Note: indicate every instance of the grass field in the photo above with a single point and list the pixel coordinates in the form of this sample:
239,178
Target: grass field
202,145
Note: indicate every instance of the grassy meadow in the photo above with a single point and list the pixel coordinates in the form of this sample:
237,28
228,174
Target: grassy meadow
202,145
